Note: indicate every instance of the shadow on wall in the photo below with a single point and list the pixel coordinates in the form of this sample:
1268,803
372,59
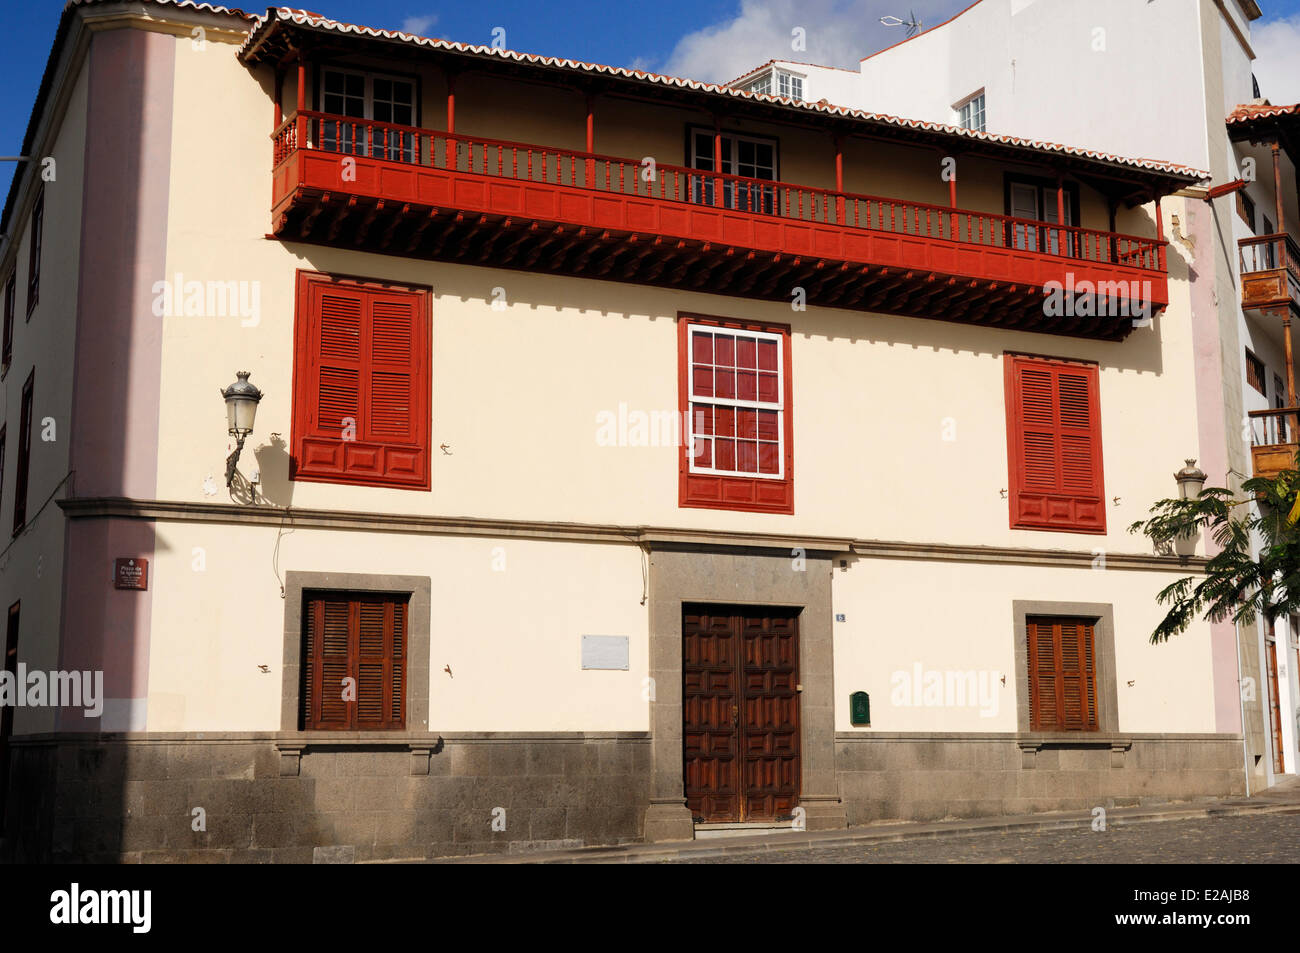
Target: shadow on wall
274,485
1141,351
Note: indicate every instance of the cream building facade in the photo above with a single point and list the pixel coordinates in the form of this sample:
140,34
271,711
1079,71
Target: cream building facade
595,629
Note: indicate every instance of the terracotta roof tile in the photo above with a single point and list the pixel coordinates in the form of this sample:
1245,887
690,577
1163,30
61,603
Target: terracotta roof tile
1248,111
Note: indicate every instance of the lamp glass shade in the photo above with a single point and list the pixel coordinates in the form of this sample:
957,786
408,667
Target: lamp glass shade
240,413
241,405
1191,481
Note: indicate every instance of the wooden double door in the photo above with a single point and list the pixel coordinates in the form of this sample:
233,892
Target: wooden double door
740,703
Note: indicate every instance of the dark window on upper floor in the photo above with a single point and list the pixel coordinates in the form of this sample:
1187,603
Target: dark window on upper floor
10,295
34,253
749,157
24,454
1255,376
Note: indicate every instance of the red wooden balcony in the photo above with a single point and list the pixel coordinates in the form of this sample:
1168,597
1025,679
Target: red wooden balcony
431,194
1270,272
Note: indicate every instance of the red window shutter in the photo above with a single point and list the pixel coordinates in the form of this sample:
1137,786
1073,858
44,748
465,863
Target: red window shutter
744,439
1062,674
1054,445
354,662
361,384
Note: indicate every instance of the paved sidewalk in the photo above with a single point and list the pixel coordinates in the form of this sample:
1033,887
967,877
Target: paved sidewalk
1283,798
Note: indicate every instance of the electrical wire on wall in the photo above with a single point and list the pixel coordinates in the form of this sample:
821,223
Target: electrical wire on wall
275,553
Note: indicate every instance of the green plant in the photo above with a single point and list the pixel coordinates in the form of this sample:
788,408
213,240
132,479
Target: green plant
1238,584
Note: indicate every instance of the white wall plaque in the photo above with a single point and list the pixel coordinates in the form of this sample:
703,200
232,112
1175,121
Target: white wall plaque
605,652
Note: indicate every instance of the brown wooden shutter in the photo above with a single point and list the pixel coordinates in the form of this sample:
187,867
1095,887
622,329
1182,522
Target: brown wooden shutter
328,652
361,382
1054,445
361,637
381,664
1062,674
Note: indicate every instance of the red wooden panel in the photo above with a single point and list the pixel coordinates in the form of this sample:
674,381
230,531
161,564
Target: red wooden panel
361,383
1054,445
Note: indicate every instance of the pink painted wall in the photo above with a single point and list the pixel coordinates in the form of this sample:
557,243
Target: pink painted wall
1212,438
118,357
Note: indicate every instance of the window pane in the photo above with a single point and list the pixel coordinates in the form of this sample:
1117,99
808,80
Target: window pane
702,381
724,419
746,385
701,348
747,456
747,423
745,352
725,454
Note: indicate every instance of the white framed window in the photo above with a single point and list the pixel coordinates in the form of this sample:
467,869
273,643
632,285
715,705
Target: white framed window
748,156
778,82
789,85
737,402
970,114
373,96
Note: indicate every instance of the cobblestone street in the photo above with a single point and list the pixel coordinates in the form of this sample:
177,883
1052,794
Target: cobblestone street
1258,839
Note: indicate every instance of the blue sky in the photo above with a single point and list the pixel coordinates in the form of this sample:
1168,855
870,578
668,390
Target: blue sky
668,35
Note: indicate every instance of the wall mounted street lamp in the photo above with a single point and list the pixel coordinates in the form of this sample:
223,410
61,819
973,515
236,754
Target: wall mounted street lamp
1191,480
241,399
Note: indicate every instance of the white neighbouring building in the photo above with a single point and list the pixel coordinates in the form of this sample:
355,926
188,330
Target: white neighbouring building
1172,79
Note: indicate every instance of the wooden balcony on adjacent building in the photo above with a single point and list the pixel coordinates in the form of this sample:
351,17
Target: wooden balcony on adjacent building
1275,440
1270,272
431,194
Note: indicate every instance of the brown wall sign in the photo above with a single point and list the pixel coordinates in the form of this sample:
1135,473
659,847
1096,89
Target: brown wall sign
130,572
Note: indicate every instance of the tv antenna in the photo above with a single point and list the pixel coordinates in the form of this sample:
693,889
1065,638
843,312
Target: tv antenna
912,23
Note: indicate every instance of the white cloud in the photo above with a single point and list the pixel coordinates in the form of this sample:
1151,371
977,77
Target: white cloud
1277,66
838,33
419,25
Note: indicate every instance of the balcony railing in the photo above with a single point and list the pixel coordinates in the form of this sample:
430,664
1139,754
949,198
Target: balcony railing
1270,270
519,161
1274,440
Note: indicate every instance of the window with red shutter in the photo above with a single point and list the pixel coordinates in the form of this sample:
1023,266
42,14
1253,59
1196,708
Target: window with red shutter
1062,674
1054,445
24,454
361,383
737,447
354,661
